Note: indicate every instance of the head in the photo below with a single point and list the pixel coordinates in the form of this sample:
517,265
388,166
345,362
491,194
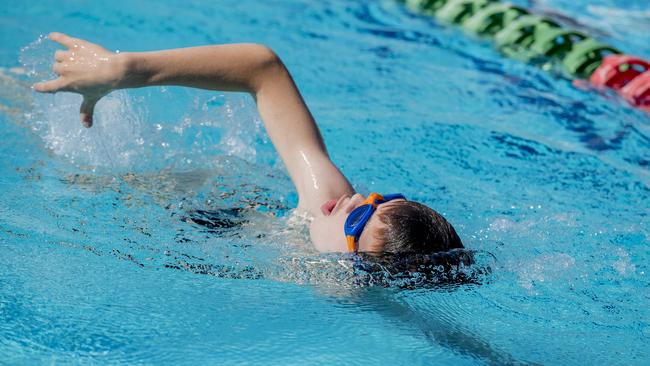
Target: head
397,226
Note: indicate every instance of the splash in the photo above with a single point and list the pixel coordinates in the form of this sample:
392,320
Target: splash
143,130
114,141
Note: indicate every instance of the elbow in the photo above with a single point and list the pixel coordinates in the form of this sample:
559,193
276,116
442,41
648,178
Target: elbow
269,66
267,57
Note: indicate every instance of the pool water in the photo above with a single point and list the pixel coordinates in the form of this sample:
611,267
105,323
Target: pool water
165,234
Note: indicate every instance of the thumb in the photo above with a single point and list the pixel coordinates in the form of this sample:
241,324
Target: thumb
87,109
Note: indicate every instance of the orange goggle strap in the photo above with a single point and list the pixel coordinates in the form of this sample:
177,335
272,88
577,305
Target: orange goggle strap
372,199
351,243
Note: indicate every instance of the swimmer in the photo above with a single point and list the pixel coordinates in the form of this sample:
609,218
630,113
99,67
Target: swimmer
343,220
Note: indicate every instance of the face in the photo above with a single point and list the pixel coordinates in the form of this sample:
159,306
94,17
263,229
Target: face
326,229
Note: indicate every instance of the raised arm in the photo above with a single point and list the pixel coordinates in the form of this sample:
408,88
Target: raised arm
93,72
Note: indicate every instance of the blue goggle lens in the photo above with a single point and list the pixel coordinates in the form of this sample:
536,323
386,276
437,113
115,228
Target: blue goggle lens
355,216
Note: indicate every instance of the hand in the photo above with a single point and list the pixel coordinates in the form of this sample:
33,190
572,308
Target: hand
84,68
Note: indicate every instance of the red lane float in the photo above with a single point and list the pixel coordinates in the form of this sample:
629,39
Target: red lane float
618,70
628,75
637,91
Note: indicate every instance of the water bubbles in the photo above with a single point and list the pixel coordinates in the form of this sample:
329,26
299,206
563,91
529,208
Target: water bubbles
623,265
546,267
116,129
501,224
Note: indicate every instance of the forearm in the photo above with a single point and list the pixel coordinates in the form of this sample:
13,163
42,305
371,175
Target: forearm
237,67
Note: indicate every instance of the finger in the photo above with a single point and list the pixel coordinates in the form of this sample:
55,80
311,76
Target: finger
65,39
61,55
51,86
87,109
58,68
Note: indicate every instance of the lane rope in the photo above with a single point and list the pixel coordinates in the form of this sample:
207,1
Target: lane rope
524,36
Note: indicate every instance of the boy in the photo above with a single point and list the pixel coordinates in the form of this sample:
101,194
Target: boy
343,220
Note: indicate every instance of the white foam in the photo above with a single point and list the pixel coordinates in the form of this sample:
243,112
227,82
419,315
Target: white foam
623,265
545,268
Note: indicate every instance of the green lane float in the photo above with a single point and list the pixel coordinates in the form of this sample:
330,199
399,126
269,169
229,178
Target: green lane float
493,18
586,56
516,39
457,11
557,42
428,7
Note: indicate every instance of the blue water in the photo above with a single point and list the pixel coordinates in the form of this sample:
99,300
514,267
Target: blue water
100,261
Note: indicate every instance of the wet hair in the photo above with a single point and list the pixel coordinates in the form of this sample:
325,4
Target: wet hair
420,249
411,227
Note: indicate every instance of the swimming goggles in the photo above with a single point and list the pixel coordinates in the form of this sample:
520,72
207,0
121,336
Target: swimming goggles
358,218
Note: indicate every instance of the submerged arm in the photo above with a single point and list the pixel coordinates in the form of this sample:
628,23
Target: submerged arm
93,71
